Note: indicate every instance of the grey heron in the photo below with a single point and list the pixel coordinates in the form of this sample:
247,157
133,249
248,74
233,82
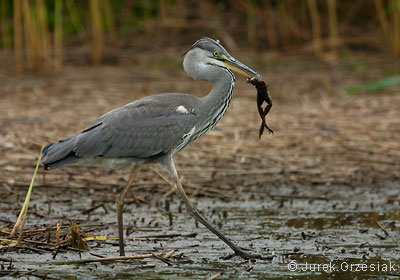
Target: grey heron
154,128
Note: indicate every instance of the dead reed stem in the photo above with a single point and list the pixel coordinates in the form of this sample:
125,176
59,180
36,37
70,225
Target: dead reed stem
316,27
269,20
97,32
162,10
179,14
147,18
124,258
382,17
333,26
6,39
291,24
350,14
58,235
251,24
283,19
389,20
43,34
214,276
35,47
395,14
58,30
18,38
30,34
109,18
75,20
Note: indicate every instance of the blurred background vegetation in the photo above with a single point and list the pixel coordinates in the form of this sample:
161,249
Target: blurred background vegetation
43,35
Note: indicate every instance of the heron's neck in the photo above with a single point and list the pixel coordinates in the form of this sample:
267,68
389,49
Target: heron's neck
221,92
217,101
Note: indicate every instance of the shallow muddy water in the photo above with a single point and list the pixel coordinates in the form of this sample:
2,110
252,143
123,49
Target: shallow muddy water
295,229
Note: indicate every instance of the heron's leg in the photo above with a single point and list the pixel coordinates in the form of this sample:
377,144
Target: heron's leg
169,165
120,207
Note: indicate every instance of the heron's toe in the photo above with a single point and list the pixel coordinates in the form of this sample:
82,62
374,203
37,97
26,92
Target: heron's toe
247,256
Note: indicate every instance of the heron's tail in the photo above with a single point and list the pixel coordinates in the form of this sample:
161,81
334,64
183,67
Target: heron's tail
58,154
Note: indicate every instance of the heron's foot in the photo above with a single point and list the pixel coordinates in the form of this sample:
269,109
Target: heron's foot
244,255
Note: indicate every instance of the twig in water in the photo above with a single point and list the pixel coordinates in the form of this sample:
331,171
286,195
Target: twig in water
383,229
169,254
58,235
6,260
124,258
215,276
158,256
56,252
171,235
87,211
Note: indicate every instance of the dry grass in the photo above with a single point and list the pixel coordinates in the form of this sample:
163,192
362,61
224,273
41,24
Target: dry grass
321,136
323,140
269,25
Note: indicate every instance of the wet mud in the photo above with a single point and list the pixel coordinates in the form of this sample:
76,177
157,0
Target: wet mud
295,229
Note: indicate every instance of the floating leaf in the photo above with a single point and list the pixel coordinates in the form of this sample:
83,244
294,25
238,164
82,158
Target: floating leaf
95,237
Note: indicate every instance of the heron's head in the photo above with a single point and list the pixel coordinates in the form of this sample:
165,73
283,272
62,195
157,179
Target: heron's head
206,52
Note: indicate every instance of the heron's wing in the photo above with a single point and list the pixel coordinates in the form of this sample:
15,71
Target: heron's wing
144,128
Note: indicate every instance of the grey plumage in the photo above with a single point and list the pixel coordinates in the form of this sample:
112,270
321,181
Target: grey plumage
154,128
145,129
140,130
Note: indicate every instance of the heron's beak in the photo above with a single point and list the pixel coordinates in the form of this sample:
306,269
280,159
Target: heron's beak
235,65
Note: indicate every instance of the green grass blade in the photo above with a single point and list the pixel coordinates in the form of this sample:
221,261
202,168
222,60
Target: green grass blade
374,86
24,210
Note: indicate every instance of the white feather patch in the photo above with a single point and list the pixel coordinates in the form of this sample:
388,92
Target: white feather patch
182,109
189,133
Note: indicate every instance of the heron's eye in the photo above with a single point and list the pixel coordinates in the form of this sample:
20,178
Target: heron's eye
216,53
